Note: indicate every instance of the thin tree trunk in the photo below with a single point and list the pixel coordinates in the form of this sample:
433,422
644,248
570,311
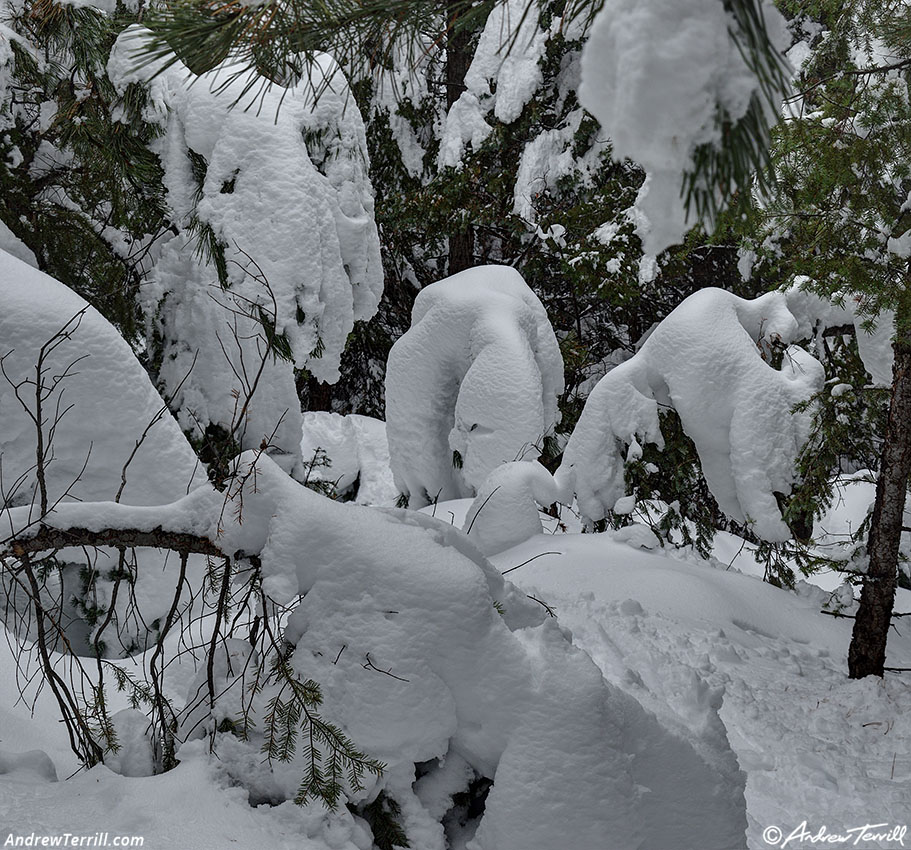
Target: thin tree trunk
458,59
867,654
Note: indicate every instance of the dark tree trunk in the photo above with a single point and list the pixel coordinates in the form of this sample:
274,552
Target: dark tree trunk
458,58
867,655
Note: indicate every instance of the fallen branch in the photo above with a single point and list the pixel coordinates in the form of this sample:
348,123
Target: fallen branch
47,538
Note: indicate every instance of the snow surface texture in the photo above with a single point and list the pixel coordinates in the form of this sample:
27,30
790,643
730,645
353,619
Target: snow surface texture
680,634
654,74
478,373
706,361
358,453
426,655
285,192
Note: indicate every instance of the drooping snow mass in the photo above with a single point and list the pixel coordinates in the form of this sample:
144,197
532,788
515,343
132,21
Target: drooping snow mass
873,333
704,360
10,243
279,181
426,655
503,76
655,74
505,511
473,384
93,418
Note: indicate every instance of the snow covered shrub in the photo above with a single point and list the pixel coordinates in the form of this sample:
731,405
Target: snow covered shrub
80,420
473,384
274,254
706,360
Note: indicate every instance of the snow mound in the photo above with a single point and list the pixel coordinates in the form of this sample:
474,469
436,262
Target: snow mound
473,384
424,653
275,183
36,762
505,511
655,73
358,452
706,361
101,408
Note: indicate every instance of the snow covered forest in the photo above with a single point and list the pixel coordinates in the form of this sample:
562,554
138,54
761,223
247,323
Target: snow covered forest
455,424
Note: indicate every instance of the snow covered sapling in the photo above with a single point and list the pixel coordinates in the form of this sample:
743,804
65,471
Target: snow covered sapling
839,215
705,360
473,384
272,214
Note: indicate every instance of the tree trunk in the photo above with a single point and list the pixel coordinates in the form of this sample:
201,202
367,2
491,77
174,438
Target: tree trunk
458,59
867,654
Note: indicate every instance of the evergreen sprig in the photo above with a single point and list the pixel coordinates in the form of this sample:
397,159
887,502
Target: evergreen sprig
293,724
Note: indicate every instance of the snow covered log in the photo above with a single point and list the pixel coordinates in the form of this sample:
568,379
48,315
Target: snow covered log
276,240
473,384
705,360
425,655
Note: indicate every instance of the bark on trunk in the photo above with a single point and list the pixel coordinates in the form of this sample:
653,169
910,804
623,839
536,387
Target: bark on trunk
867,654
458,58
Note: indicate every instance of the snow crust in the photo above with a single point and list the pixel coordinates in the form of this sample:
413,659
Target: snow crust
655,73
478,373
706,361
285,193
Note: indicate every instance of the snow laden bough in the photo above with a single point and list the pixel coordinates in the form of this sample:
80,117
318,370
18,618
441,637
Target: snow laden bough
432,663
670,81
707,361
473,384
276,249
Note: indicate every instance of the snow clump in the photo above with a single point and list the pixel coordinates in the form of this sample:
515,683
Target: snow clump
655,73
269,191
505,511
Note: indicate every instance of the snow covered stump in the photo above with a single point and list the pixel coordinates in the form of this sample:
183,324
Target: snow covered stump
473,384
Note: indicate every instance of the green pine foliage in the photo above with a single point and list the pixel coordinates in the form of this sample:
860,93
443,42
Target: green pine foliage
78,184
293,725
